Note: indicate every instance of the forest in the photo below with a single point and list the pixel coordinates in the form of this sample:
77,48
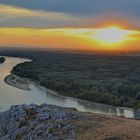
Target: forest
112,80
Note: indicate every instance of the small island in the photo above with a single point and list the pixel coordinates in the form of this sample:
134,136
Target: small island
2,59
15,81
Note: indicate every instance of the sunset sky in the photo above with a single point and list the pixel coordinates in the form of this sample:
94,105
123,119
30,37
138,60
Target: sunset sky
90,25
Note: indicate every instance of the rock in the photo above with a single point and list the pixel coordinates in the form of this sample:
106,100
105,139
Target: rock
137,114
19,133
32,122
42,117
59,115
2,59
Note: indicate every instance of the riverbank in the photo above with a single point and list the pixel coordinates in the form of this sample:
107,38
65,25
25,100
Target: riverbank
54,122
17,82
89,106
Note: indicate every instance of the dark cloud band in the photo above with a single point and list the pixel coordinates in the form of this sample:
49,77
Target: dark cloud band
81,7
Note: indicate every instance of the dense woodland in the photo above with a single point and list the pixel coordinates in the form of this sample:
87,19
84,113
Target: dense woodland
113,80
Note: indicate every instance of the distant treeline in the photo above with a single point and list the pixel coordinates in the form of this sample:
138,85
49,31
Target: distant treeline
113,80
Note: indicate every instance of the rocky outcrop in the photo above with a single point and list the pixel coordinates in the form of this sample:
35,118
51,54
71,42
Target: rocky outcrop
2,59
32,122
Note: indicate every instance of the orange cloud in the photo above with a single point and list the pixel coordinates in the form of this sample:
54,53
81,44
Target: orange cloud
66,38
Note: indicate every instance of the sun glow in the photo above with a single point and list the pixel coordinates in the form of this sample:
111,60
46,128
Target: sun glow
113,38
111,35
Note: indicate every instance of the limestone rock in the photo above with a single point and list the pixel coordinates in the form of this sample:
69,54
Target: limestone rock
33,122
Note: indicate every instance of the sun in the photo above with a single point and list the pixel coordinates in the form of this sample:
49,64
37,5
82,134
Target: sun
110,35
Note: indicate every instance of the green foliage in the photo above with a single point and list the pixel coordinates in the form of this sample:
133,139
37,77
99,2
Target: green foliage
113,80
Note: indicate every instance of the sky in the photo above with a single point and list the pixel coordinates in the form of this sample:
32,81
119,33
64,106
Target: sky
68,24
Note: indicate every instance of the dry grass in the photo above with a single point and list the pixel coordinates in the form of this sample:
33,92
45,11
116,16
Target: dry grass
99,127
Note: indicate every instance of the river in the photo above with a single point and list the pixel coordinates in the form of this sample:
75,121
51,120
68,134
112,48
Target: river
12,96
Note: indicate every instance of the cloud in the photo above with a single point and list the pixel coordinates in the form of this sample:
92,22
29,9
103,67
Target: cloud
67,13
80,7
12,11
79,39
23,12
17,16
